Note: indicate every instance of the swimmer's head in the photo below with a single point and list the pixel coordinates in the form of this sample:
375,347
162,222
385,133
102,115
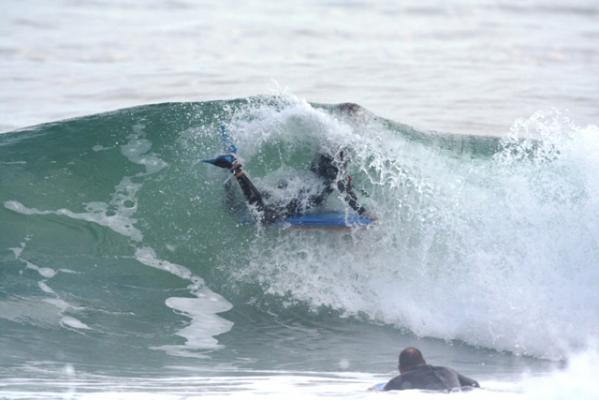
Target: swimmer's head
410,358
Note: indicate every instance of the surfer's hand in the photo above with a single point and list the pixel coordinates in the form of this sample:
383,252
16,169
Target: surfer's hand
236,167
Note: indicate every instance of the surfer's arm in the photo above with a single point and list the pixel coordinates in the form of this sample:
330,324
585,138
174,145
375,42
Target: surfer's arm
250,191
254,197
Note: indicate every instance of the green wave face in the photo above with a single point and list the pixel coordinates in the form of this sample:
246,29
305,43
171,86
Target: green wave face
117,246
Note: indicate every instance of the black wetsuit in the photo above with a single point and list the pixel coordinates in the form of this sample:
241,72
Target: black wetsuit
274,213
428,377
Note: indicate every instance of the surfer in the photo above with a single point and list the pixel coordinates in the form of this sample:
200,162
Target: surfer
415,373
326,167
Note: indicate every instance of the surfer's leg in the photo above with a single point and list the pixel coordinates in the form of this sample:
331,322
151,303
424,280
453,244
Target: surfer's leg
350,197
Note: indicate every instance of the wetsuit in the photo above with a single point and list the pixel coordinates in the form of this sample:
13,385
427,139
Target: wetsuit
428,377
272,213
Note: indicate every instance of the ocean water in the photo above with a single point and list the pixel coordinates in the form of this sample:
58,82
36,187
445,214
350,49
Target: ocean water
130,270
460,66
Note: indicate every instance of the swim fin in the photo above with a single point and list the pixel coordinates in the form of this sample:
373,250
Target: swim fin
223,161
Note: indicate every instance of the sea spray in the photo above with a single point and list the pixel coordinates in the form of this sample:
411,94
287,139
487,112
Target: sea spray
485,250
478,241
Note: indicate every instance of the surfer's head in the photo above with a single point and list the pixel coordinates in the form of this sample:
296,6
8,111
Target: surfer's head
410,358
327,166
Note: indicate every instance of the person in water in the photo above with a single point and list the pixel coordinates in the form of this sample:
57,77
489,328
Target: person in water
415,373
327,168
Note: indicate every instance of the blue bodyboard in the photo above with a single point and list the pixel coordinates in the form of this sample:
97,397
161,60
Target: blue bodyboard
328,220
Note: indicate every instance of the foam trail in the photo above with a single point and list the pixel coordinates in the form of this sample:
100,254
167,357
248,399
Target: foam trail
202,310
118,213
22,311
98,214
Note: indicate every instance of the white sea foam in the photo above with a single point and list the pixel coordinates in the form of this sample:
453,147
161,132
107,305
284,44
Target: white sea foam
577,381
147,256
46,272
47,311
17,251
73,323
118,213
13,162
202,309
22,310
137,150
97,213
61,307
98,148
574,382
486,250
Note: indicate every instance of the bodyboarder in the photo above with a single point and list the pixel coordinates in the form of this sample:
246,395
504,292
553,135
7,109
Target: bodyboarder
326,167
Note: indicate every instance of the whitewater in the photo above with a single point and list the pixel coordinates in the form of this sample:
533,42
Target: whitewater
129,269
121,241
